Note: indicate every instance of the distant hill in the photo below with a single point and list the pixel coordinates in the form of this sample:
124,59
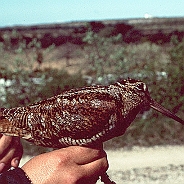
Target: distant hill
157,30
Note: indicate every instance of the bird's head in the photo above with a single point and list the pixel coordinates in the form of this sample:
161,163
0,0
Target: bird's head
139,95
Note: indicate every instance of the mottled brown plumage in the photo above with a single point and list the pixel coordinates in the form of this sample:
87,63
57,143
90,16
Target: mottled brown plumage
77,117
84,117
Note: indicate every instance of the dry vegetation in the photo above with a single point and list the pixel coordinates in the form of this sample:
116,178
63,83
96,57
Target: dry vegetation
103,58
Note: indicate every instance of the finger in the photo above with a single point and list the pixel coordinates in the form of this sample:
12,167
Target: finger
15,151
96,167
18,152
93,170
2,166
15,162
84,155
8,160
13,155
5,142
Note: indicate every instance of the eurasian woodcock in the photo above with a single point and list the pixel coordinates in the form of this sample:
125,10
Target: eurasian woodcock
85,117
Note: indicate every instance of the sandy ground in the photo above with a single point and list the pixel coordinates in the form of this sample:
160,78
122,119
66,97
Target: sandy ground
147,165
142,165
157,156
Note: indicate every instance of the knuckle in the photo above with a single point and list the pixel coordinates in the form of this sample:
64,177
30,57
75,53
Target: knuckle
8,139
105,164
62,159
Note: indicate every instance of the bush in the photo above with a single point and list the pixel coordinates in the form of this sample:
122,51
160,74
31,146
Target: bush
26,84
107,59
160,69
165,79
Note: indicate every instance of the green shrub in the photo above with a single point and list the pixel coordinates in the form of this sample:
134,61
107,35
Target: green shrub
26,84
160,68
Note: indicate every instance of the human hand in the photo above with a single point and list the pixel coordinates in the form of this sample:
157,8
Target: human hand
10,152
71,165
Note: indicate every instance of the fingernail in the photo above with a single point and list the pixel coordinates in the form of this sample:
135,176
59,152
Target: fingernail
2,165
16,162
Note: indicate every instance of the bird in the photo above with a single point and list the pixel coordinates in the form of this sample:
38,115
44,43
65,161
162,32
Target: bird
85,116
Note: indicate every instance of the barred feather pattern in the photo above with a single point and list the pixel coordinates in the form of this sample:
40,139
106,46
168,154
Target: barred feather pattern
83,116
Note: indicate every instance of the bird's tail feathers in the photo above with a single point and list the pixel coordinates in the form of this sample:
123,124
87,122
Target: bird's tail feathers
7,127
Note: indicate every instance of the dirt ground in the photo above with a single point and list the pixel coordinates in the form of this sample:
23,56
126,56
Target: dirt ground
140,165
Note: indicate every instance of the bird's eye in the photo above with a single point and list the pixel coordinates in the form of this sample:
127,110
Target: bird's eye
141,87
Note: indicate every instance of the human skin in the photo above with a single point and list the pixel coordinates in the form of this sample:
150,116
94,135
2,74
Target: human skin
10,152
67,165
71,165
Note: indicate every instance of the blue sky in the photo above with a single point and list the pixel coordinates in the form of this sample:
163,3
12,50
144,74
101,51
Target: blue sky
27,12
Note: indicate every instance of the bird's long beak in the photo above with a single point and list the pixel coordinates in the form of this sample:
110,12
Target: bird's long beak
164,111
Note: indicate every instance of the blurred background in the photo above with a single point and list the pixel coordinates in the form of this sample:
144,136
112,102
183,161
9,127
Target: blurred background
47,47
